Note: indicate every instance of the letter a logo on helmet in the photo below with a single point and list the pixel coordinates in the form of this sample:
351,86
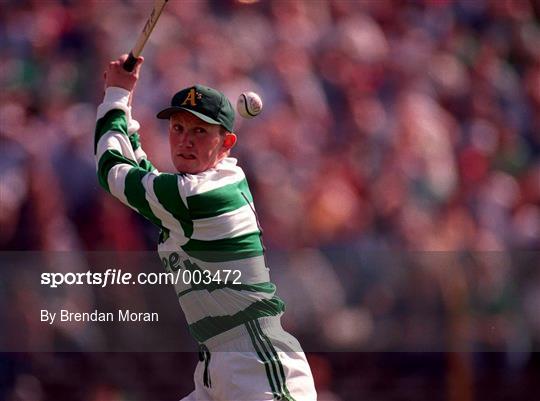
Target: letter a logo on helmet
190,98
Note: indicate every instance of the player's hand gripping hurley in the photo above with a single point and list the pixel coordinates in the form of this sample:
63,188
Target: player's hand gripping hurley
129,64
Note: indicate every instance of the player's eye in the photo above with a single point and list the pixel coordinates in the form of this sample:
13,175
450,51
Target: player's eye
177,128
199,130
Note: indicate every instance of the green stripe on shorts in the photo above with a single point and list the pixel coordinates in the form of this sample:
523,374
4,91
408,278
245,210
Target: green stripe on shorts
284,389
264,357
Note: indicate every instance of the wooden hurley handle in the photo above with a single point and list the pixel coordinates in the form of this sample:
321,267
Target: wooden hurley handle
129,64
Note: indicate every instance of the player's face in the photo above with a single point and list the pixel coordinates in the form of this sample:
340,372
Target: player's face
196,146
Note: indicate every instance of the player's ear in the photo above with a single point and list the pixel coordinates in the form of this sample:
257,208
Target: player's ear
229,141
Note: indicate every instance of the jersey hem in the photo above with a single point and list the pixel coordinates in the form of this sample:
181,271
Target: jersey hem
267,323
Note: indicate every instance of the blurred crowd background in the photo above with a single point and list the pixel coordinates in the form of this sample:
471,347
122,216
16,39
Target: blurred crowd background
395,169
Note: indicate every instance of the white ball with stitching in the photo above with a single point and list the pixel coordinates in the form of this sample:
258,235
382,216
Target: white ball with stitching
249,104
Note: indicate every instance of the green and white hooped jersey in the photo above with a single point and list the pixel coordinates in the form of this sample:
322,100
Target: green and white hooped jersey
208,225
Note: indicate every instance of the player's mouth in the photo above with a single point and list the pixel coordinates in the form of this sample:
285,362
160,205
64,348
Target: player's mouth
186,156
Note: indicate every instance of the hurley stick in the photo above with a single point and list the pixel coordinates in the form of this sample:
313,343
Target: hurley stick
129,64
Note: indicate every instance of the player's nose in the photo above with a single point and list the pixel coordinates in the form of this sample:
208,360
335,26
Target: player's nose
184,139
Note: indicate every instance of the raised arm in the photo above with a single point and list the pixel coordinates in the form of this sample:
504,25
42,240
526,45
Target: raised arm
122,167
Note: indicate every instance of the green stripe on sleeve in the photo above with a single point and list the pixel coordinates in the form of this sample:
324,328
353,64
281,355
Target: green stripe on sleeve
210,326
219,200
146,165
168,194
222,250
136,194
135,141
114,120
107,161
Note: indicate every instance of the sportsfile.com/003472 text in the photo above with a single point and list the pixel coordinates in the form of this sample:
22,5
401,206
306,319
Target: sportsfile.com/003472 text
118,277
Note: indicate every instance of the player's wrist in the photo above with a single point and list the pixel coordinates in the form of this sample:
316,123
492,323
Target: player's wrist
117,94
118,98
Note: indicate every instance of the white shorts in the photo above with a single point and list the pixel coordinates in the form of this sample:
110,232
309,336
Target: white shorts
256,361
